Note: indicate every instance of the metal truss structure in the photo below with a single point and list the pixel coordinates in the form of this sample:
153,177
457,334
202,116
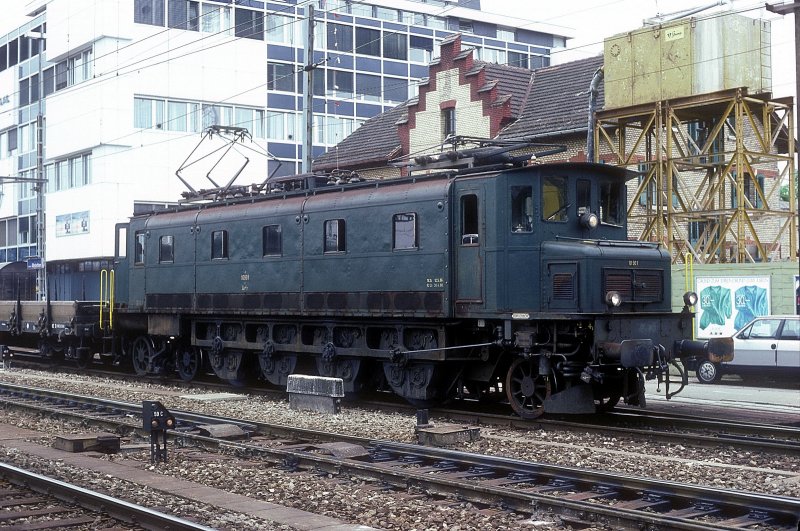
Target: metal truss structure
711,171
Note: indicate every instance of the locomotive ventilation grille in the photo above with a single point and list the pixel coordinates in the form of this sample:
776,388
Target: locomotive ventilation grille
563,287
638,285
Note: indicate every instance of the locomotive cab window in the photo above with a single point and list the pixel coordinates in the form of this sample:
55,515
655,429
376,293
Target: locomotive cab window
469,220
166,249
404,231
583,196
521,209
554,198
271,241
219,245
335,241
611,203
139,247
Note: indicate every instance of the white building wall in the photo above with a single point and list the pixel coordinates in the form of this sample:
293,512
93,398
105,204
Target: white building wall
97,115
470,120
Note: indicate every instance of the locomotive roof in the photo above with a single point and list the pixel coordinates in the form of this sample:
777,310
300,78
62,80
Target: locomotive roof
313,184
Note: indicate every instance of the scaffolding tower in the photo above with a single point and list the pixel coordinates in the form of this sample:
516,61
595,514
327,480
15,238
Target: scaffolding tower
711,171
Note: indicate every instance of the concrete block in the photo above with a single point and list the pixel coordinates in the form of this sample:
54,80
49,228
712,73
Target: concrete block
315,385
315,393
447,435
98,442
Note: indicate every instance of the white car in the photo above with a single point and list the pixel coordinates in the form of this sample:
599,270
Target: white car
766,346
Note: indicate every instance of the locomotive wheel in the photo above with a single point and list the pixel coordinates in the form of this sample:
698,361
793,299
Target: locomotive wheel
526,389
141,352
187,363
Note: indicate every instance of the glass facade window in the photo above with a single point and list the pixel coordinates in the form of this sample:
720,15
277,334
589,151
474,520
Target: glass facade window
368,41
280,76
184,14
215,19
395,89
420,48
340,84
395,45
517,59
360,10
148,12
340,38
24,91
68,173
386,13
280,125
279,29
368,87
251,119
249,24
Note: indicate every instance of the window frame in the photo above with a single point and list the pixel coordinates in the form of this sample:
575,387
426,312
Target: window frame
555,184
266,233
414,236
166,249
139,247
219,245
334,243
521,208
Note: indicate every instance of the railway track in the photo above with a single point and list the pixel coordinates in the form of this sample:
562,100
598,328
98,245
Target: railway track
663,426
32,501
580,497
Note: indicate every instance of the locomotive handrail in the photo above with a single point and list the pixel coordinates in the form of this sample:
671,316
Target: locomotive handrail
610,243
107,290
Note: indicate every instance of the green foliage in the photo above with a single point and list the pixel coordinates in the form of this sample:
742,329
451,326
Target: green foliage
785,189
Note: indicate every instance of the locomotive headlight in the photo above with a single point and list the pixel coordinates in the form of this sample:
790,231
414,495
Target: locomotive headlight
589,220
613,299
690,298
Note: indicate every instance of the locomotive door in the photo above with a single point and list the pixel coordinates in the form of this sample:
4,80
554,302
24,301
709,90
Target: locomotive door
469,254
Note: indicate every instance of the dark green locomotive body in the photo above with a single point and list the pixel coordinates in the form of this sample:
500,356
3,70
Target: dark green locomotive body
516,280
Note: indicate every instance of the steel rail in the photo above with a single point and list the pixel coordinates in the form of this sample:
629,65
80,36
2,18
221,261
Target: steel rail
97,502
431,468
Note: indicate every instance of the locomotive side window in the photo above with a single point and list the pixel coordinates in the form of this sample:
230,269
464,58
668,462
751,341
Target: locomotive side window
335,236
521,209
610,204
271,240
554,198
219,244
469,219
166,249
404,231
139,251
583,196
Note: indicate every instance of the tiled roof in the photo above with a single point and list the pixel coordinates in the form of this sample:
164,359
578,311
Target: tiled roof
375,141
559,100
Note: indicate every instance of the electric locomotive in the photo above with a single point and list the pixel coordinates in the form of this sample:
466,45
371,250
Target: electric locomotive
516,282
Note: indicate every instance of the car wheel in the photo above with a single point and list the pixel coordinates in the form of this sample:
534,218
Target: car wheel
708,372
